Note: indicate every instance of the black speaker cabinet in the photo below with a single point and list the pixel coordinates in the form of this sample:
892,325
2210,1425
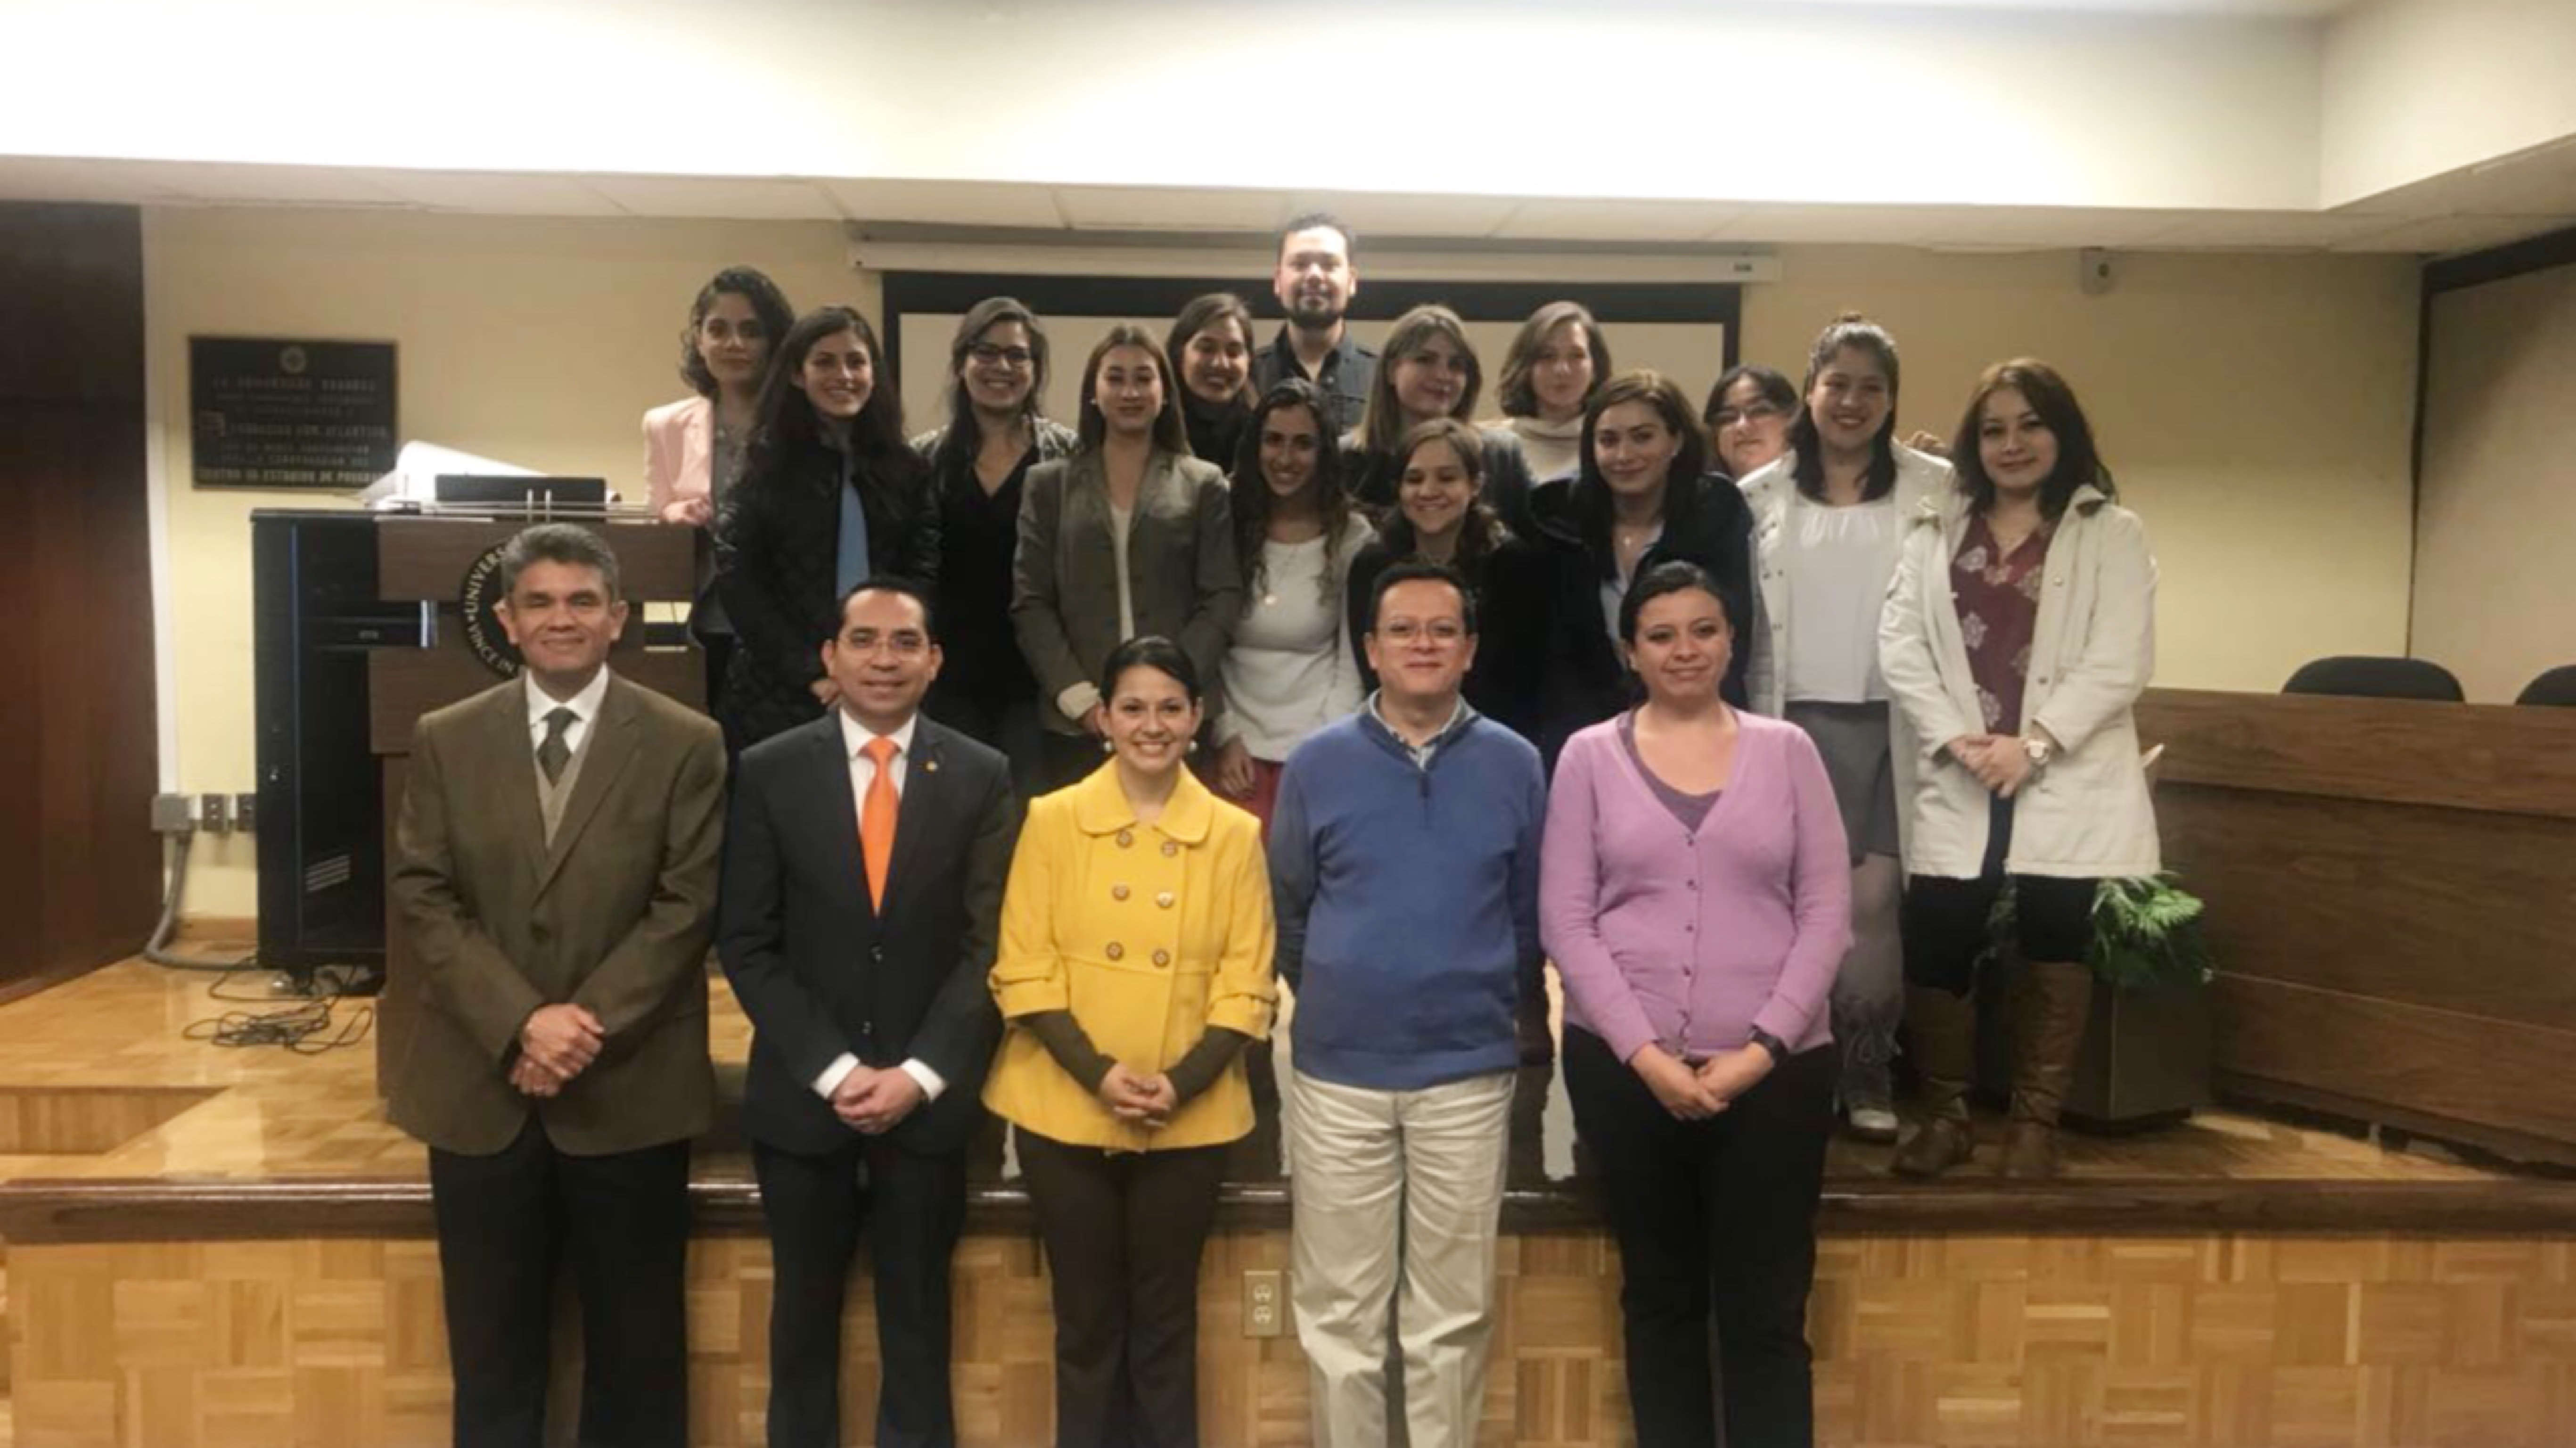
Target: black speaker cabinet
321,803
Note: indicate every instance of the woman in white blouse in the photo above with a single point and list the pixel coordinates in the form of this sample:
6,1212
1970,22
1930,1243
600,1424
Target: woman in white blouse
1828,516
1289,670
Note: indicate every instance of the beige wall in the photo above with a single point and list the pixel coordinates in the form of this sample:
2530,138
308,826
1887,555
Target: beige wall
2497,519
2256,408
2257,411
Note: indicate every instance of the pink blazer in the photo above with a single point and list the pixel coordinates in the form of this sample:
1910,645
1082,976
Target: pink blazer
679,455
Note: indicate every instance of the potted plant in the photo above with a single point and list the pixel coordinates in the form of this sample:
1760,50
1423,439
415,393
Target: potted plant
2146,1054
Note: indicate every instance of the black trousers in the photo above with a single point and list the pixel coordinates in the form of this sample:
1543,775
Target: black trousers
505,1224
1717,1214
1944,920
1123,1234
911,1209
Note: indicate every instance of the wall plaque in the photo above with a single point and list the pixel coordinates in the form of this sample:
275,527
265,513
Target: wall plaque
275,413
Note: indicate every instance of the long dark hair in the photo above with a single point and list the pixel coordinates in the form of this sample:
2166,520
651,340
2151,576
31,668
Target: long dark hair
1252,495
1591,494
964,435
1480,532
787,416
1170,434
788,425
1858,333
2079,461
768,303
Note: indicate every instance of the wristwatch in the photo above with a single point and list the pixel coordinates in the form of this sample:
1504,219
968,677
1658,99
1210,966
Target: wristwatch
2038,750
1778,1048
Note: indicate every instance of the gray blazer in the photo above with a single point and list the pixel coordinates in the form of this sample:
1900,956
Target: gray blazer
1181,569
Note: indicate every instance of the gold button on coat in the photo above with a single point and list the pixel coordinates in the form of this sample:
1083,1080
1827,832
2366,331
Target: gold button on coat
1170,848
1162,957
1114,951
1167,899
1117,892
1126,838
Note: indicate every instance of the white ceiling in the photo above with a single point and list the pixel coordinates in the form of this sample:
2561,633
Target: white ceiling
2240,9
2295,9
2494,202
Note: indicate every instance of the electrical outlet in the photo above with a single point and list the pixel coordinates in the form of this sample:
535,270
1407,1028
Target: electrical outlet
1265,1303
214,813
173,814
246,813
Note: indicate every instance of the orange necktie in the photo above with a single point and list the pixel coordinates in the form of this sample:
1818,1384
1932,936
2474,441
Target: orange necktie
876,818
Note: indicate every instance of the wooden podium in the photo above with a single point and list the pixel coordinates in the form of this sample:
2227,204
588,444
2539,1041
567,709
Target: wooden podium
430,561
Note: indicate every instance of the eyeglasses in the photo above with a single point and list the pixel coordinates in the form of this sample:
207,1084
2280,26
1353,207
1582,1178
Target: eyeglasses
1014,358
901,645
1443,633
1734,416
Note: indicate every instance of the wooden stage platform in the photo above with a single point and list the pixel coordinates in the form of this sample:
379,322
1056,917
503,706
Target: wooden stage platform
230,1246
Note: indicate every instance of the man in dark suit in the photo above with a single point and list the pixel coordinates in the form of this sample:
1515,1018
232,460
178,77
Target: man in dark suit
556,871
862,899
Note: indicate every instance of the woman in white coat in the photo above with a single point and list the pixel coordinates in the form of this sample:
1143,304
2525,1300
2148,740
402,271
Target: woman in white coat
1827,516
2018,634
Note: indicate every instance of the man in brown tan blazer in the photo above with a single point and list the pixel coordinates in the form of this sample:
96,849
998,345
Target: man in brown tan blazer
556,872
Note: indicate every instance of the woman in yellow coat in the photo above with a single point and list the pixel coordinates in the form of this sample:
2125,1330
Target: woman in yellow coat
1134,967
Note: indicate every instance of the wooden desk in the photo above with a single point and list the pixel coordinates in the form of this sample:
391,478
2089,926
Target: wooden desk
2392,901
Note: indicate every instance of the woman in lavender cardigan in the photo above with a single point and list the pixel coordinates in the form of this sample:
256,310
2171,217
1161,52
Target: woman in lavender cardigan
1695,893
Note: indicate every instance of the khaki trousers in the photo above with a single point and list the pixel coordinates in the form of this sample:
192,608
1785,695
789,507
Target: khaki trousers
1398,1197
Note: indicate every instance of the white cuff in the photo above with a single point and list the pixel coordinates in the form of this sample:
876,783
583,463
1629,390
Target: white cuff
932,1083
834,1074
1077,701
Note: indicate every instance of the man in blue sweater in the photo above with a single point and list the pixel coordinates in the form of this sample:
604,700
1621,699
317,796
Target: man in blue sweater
1404,857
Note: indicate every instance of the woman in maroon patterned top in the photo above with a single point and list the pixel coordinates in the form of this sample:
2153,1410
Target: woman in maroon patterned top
2020,630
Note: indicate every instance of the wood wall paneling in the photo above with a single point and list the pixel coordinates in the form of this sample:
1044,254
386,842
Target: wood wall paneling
71,308
2402,751
2391,886
2435,1064
2447,909
22,756
79,869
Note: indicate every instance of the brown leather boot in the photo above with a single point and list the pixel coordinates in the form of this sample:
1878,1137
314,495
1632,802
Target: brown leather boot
2049,1015
1942,1029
